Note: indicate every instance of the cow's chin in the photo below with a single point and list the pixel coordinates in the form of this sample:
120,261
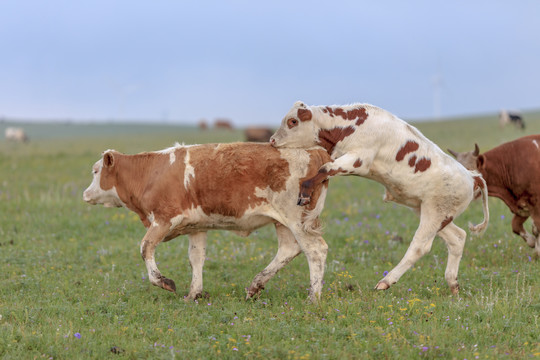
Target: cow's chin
112,205
290,145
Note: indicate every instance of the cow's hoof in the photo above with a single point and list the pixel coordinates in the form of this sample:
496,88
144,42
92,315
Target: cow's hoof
382,286
195,296
303,201
168,285
454,289
253,292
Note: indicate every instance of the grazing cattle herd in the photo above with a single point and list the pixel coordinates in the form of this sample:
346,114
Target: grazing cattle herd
243,186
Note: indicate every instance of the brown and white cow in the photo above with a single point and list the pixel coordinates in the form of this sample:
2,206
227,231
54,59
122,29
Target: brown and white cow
193,189
370,142
511,171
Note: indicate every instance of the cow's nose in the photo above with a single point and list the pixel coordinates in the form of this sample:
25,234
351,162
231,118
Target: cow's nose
272,141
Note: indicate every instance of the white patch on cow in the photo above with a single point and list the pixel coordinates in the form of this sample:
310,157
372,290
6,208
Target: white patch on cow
175,221
189,170
151,217
94,194
169,150
536,144
172,158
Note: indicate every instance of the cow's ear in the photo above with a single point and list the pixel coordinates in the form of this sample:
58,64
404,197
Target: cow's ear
108,159
300,105
480,161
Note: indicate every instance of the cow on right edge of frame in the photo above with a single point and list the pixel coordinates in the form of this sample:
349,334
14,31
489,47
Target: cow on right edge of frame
511,171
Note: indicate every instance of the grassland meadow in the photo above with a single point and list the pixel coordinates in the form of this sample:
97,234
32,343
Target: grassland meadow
74,285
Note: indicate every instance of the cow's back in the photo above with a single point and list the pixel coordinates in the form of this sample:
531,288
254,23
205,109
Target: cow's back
229,179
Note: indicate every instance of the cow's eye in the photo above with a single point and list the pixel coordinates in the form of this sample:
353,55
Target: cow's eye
292,123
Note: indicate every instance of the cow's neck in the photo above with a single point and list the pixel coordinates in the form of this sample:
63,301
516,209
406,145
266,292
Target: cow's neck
330,134
133,176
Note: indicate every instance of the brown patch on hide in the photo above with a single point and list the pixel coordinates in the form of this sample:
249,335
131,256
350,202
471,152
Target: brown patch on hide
422,165
478,183
359,115
328,138
304,114
445,222
412,161
227,176
409,147
317,158
357,163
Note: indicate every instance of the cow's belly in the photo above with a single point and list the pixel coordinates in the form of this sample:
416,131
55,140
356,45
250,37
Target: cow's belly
399,192
398,195
245,224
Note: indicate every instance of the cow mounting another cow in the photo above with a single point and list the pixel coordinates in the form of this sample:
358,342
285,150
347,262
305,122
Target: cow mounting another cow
239,187
511,171
370,142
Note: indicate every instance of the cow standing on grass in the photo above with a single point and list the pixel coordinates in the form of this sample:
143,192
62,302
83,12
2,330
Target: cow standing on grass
370,142
15,134
511,171
193,189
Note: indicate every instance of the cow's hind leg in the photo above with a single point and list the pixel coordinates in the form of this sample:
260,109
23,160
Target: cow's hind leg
151,239
454,237
197,254
430,222
288,249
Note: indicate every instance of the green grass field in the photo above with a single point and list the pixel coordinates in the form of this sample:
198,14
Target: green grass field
74,285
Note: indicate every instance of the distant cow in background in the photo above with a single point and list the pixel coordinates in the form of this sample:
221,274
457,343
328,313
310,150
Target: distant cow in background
258,134
511,117
203,125
223,124
15,134
512,172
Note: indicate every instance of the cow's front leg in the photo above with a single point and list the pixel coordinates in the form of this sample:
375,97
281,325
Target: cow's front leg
348,164
536,233
308,187
315,249
288,249
197,254
155,234
517,228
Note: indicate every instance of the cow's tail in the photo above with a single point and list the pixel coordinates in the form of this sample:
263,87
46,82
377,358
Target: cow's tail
480,189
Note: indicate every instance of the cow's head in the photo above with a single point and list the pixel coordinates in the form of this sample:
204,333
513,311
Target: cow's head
297,129
471,160
102,190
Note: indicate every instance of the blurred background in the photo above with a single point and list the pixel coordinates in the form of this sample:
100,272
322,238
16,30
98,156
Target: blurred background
244,62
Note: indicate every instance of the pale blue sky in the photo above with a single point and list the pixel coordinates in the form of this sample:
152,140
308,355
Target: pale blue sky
250,61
